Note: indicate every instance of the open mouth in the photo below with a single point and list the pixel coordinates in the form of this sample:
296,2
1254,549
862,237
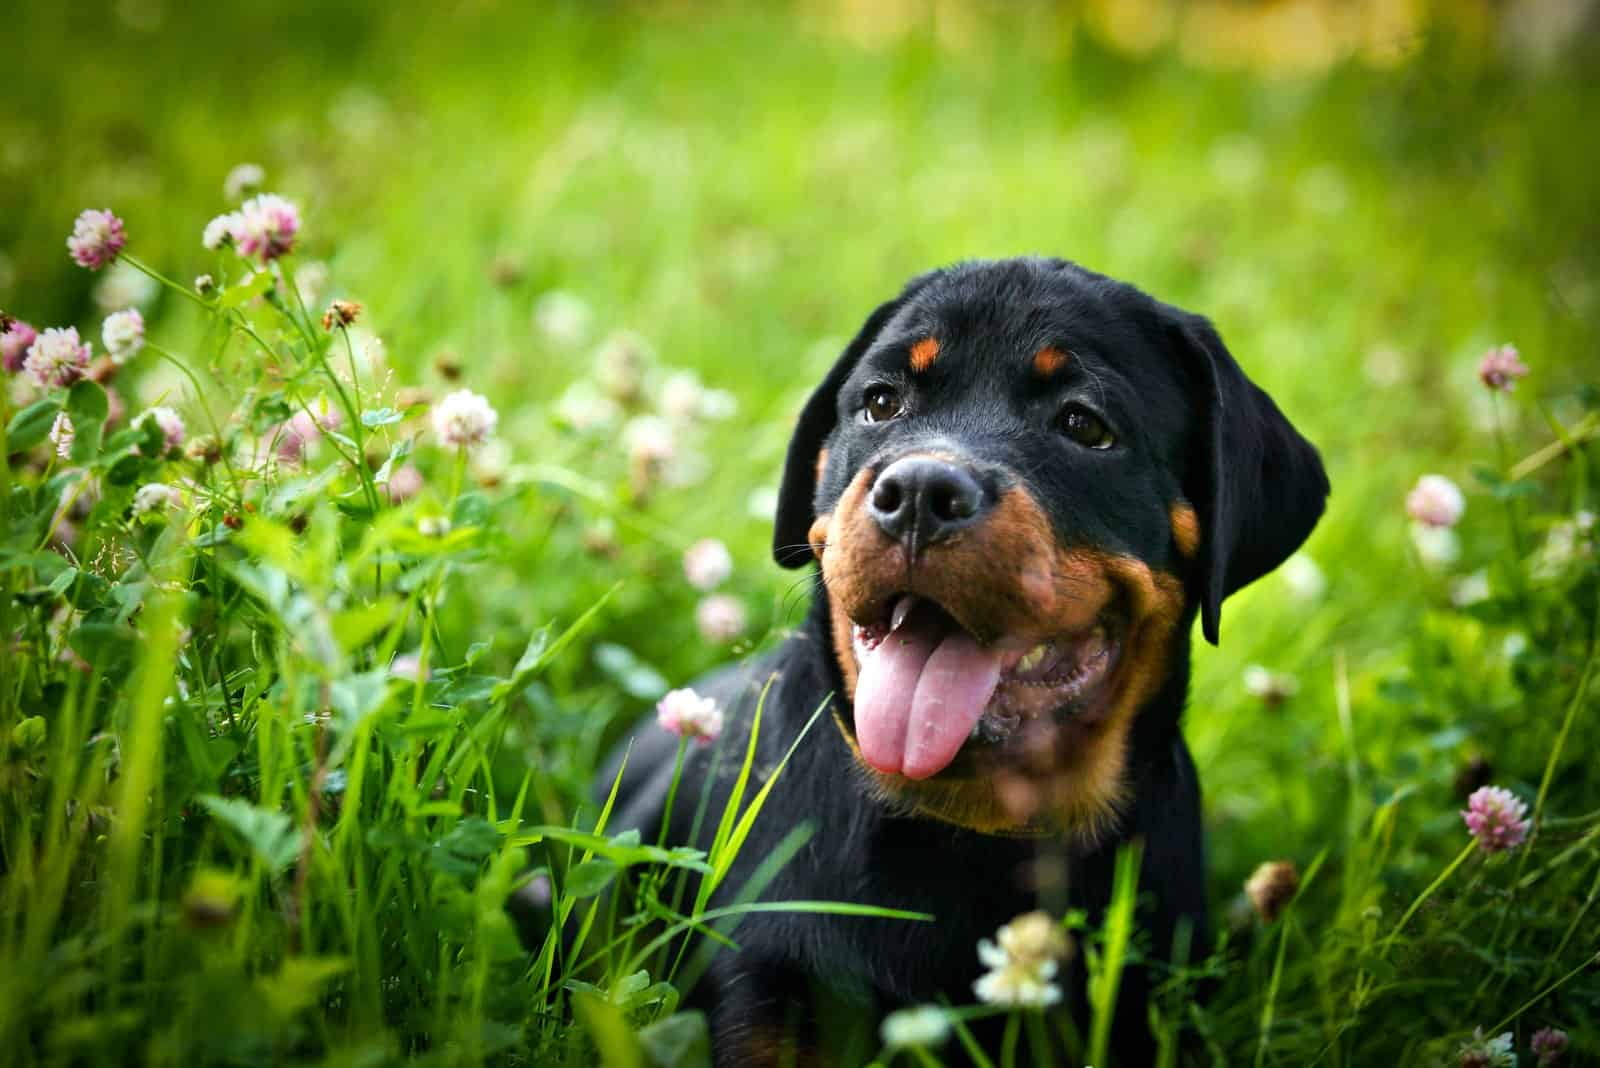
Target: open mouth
927,687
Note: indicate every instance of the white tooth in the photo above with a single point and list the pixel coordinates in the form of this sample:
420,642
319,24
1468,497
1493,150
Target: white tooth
902,608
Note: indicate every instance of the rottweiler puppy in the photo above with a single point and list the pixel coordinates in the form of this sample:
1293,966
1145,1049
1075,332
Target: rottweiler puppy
1018,486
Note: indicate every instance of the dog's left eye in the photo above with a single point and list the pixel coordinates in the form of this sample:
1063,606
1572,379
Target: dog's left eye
1086,428
881,403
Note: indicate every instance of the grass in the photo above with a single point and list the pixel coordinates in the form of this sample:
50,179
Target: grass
284,851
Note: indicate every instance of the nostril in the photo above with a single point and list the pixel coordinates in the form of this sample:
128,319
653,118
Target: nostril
954,504
887,496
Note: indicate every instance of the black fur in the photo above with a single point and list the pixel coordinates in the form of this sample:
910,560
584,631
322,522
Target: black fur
1192,427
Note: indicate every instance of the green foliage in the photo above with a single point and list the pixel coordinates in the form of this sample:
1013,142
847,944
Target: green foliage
287,710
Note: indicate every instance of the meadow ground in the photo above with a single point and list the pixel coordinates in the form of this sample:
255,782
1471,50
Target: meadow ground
642,235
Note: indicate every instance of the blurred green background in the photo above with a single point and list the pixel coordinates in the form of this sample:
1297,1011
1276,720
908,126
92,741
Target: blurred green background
1363,196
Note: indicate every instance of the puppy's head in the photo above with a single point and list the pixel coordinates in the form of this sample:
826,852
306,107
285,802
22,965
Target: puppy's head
1021,481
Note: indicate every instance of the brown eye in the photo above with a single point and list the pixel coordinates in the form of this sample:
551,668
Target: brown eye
1086,428
882,403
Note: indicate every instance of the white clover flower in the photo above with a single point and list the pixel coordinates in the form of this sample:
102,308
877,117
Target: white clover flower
311,281
124,286
490,463
582,407
620,364
464,419
408,666
1436,501
650,440
156,497
1483,1052
720,617
688,715
123,335
1304,578
921,1027
62,435
717,404
57,357
169,422
243,180
433,526
1470,589
707,564
1437,547
1273,687
762,502
563,317
220,230
680,396
1022,962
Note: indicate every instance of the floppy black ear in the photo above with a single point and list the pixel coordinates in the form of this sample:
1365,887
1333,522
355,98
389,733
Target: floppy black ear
1260,486
796,494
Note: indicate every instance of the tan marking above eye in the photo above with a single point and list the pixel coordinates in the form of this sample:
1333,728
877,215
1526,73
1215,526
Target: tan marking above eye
1048,360
1185,527
923,353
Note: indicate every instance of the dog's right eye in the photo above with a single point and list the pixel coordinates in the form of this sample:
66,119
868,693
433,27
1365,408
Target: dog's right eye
881,403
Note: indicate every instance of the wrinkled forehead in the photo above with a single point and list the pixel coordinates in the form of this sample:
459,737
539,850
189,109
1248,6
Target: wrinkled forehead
1050,330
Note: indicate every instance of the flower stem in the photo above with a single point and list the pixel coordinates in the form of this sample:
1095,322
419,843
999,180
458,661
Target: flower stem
184,291
672,791
1450,869
216,428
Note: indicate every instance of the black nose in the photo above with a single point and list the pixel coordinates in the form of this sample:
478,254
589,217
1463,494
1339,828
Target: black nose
920,500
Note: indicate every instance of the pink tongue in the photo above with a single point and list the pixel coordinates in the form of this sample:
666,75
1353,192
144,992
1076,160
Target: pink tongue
919,695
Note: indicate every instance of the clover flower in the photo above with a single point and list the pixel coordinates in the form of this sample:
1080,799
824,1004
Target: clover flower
688,715
408,666
1272,687
14,345
707,564
1271,887
97,237
464,419
1500,368
1496,818
169,422
720,617
155,497
220,230
62,435
404,483
123,334
921,1027
124,286
433,526
205,285
1548,1044
582,407
306,426
1022,962
58,357
266,227
340,313
1304,578
1482,1052
1435,501
563,317
243,180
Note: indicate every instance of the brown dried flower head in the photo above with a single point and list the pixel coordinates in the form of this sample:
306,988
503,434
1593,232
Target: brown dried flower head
340,313
1271,887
